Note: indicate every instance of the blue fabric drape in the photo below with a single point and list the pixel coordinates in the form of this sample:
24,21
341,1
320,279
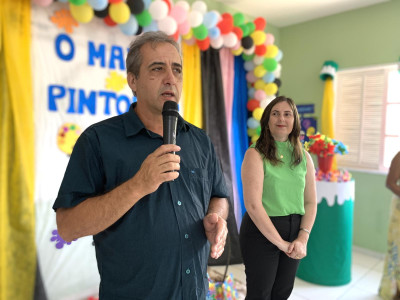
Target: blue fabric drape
239,124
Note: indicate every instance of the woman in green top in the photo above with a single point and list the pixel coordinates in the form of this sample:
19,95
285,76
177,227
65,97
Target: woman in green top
280,197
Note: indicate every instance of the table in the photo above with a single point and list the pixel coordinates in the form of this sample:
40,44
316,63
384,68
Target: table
329,249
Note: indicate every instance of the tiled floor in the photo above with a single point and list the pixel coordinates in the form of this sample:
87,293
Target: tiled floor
366,273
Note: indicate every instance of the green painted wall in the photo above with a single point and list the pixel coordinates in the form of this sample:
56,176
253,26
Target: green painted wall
363,37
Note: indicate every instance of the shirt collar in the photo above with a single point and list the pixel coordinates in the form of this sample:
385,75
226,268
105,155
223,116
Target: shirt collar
133,125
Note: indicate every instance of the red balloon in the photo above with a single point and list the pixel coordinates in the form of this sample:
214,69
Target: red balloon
109,21
238,31
225,26
175,36
227,16
260,50
203,44
169,5
260,23
252,104
114,1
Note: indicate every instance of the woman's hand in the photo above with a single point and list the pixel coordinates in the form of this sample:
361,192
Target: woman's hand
297,249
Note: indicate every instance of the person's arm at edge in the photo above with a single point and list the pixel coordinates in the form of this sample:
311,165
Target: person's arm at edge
394,175
252,179
97,213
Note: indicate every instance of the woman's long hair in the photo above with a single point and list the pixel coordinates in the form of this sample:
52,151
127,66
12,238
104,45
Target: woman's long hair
266,143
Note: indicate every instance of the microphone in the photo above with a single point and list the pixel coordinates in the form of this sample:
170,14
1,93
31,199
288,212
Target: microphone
170,119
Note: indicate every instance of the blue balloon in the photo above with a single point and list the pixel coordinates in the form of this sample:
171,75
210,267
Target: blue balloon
249,65
210,19
97,4
279,56
250,92
130,27
147,3
214,32
252,123
152,27
269,77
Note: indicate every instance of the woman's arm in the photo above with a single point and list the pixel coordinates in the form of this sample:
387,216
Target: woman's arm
298,248
252,179
394,175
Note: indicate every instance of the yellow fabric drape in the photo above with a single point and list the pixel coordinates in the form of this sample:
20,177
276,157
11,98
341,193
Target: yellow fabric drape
328,103
192,98
17,222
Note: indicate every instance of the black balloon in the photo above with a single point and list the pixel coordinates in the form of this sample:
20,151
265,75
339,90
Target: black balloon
247,42
102,13
139,31
278,82
136,6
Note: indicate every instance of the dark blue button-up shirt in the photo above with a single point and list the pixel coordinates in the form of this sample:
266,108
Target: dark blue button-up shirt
158,249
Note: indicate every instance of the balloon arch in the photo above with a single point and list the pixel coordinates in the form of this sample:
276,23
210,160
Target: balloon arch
193,24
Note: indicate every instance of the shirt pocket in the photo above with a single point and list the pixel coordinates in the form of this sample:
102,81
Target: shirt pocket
200,189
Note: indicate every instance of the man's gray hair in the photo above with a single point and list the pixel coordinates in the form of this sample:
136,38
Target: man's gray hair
134,57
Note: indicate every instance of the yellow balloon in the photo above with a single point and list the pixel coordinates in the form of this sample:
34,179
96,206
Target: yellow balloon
258,37
254,138
119,12
188,35
272,51
259,71
251,131
270,88
238,51
82,13
259,84
257,113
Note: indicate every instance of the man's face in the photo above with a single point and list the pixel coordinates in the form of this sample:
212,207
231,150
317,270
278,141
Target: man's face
160,77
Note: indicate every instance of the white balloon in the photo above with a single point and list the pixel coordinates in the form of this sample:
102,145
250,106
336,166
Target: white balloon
277,71
168,25
249,51
217,43
195,18
158,10
183,4
199,6
230,39
258,60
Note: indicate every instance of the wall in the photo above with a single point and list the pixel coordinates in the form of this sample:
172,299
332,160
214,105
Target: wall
363,37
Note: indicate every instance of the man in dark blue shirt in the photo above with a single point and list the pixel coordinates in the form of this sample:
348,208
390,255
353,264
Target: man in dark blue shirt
150,211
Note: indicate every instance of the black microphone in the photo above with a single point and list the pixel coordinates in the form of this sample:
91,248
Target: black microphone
170,119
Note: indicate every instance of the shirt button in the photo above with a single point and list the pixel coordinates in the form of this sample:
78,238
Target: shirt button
186,236
188,271
179,203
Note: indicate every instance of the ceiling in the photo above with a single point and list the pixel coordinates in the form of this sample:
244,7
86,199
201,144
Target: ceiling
281,13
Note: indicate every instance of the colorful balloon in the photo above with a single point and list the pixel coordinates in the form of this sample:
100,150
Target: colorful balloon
82,13
119,12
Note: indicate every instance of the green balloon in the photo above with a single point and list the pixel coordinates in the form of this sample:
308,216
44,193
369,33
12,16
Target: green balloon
245,30
251,27
247,57
258,130
144,18
270,64
200,32
238,19
77,2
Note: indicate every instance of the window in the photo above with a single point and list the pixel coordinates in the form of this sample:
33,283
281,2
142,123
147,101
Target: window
367,116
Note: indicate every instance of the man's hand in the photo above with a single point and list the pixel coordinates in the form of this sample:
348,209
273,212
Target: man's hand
158,167
216,232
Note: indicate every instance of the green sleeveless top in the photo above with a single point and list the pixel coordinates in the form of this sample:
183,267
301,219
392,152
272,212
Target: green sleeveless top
283,186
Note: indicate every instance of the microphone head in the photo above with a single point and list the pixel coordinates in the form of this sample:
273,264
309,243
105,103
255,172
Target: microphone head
170,108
